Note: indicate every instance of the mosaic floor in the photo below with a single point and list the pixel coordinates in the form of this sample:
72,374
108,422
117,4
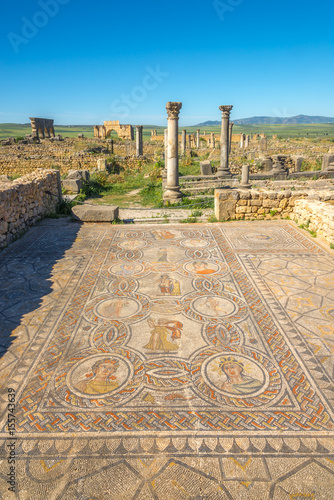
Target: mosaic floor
167,362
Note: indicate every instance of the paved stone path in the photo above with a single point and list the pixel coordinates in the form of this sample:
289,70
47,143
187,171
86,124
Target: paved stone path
167,362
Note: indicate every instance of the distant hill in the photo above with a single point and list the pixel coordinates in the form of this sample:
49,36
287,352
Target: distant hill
268,120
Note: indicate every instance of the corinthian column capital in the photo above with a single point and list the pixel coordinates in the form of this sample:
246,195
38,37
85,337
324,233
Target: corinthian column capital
173,110
226,110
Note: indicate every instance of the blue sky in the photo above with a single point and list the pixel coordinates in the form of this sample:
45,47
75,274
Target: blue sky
83,62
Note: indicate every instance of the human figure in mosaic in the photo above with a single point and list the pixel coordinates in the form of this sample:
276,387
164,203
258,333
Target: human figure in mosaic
128,269
162,255
101,379
165,235
201,267
237,382
169,286
213,304
161,328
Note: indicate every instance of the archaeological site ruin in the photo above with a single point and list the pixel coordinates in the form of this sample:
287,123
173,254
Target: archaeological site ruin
167,312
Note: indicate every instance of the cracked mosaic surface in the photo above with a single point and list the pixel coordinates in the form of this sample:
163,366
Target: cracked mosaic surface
168,361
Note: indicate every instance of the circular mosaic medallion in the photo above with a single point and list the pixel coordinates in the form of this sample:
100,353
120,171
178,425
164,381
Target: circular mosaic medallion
110,378
130,308
195,243
132,244
236,376
120,307
126,269
100,375
214,307
202,267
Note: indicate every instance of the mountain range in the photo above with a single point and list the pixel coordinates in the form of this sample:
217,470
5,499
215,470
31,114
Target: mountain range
269,120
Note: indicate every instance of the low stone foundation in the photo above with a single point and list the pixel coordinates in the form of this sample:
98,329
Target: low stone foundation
26,200
305,207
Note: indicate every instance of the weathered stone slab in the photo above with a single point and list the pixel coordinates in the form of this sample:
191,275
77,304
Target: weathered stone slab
206,167
72,185
90,213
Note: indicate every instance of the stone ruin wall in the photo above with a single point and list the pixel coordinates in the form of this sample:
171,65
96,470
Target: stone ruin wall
42,128
301,206
123,131
24,201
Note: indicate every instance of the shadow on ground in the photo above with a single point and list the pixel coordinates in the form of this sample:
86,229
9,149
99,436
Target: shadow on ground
26,269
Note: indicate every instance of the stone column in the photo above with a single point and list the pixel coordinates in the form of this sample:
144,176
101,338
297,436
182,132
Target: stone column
247,141
189,141
224,170
184,142
173,192
212,140
242,141
139,140
263,144
230,135
197,139
166,150
245,177
34,129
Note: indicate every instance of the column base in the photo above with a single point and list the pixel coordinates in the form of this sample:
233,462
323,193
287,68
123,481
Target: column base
172,194
245,186
224,174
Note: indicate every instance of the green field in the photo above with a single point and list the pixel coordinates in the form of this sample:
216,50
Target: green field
312,131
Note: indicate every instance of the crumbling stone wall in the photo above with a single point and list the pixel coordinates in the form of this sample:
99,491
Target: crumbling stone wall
255,204
316,216
24,201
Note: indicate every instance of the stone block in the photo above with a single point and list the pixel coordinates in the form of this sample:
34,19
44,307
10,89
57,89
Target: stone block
72,185
4,178
79,174
225,203
90,213
102,164
240,210
298,161
284,203
327,160
206,167
270,203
